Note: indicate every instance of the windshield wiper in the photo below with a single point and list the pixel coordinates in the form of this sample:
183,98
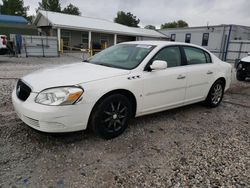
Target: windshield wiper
106,65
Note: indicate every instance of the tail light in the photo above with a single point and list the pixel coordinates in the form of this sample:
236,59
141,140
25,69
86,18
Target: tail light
4,40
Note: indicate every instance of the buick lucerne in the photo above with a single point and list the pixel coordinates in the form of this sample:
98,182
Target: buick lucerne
126,80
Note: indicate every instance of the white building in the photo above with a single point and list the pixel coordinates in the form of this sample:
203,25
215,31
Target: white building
215,38
85,32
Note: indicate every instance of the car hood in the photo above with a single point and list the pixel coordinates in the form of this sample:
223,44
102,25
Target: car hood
67,75
246,59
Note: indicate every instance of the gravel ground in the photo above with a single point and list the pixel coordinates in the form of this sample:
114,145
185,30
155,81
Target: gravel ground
192,146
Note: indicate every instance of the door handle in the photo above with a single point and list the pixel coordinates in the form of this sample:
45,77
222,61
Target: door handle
181,77
209,72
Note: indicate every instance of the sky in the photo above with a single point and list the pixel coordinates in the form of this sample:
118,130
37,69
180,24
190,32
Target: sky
157,12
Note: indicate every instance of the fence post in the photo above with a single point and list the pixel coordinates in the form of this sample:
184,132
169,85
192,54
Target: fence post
224,49
228,41
241,43
61,47
25,46
42,47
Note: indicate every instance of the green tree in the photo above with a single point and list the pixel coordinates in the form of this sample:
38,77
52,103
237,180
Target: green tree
169,25
127,19
175,24
182,23
150,27
14,7
50,5
71,9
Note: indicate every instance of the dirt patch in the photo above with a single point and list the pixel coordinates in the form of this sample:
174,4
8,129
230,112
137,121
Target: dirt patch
188,146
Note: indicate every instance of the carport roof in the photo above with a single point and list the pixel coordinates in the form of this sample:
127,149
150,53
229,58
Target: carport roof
9,19
66,21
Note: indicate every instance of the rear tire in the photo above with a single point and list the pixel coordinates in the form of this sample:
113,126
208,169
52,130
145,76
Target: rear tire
110,116
240,77
215,94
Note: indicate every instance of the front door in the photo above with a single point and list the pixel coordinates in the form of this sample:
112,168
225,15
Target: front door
163,89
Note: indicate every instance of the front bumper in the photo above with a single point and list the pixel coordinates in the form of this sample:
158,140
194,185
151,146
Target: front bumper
243,69
244,72
52,118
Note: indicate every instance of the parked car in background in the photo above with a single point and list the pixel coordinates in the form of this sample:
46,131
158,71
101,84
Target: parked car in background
3,44
243,68
127,80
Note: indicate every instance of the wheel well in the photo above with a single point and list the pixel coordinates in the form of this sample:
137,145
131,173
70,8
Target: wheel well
223,80
124,92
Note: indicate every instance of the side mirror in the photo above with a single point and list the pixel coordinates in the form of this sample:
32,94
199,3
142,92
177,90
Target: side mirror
248,53
159,65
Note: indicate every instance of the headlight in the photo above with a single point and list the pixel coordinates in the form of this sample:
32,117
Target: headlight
59,96
240,66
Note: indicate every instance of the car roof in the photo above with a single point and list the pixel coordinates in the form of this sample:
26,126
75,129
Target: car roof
164,43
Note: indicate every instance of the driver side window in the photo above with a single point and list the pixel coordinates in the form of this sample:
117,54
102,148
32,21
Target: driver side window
171,55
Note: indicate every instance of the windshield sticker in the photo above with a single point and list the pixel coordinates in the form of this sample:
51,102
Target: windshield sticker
143,46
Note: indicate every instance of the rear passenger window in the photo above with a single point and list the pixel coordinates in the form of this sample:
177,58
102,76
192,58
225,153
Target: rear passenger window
196,56
171,55
208,57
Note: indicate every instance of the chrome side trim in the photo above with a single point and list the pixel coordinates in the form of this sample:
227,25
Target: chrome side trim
164,91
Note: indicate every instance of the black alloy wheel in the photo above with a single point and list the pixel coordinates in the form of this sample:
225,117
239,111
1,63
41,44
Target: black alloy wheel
110,117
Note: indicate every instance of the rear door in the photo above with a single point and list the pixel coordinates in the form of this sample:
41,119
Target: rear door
200,73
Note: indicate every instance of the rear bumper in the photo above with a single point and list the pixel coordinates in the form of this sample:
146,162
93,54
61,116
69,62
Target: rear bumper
52,119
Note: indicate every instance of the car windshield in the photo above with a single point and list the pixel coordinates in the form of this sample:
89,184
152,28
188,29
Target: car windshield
123,56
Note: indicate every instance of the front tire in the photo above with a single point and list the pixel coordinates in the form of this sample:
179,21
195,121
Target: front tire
215,94
110,116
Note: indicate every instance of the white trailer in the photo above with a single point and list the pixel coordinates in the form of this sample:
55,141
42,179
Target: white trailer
215,38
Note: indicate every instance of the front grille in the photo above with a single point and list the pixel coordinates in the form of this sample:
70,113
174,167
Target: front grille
22,90
247,66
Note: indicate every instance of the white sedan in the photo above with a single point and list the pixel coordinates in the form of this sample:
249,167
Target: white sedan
124,81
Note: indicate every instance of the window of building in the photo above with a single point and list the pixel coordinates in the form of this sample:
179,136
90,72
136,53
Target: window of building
173,37
188,38
104,41
205,39
85,39
171,55
196,56
66,36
